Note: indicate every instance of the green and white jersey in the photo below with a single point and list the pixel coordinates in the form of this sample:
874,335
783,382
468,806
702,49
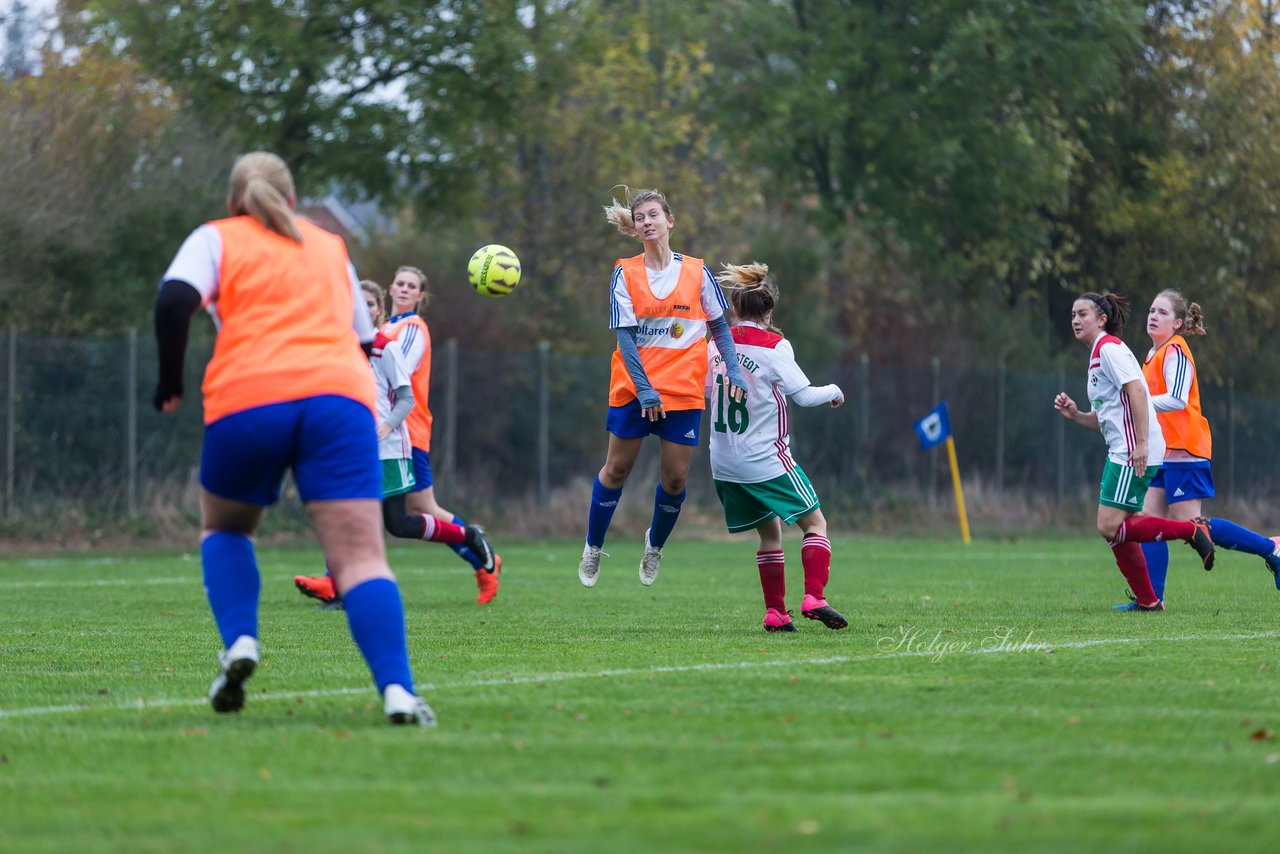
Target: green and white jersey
390,372
1111,366
751,439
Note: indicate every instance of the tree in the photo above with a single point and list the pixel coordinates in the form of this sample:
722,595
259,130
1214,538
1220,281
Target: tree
1202,219
110,176
320,82
948,131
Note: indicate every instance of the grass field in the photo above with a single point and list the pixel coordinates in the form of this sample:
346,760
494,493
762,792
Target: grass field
984,697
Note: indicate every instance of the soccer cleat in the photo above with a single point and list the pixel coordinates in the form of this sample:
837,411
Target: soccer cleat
1159,606
404,708
1202,542
479,544
238,662
813,608
320,587
650,562
1131,605
1273,561
487,582
589,564
779,621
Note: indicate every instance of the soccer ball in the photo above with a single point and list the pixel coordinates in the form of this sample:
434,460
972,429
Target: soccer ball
494,270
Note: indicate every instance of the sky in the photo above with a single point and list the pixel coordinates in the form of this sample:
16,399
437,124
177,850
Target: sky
39,15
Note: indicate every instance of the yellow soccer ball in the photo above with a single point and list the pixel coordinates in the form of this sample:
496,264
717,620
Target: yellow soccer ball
494,270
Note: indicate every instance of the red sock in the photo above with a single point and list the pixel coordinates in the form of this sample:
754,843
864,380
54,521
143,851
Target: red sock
773,579
1149,529
815,554
439,531
1134,568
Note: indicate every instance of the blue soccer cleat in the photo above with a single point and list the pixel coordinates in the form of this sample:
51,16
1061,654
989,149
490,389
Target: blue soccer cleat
1273,561
1131,605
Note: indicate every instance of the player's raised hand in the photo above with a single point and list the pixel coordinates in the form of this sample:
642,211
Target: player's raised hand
1065,405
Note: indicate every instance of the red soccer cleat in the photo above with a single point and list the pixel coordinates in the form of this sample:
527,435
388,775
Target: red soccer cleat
487,582
317,588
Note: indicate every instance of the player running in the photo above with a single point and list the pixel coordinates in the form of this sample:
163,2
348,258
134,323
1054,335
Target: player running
1123,413
758,482
395,400
408,295
1186,477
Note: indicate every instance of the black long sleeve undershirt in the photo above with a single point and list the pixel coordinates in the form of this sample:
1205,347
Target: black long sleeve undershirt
176,301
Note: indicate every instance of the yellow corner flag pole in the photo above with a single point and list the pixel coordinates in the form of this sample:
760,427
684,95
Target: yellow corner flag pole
955,482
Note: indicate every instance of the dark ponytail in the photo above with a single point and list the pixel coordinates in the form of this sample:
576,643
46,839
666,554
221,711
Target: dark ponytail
1114,306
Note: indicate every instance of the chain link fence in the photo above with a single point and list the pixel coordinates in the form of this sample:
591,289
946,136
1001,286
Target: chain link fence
519,436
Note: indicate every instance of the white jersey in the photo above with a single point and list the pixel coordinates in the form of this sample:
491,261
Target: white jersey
1111,366
390,372
751,440
199,264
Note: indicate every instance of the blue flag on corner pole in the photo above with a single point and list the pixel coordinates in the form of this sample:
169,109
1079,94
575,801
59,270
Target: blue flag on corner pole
934,428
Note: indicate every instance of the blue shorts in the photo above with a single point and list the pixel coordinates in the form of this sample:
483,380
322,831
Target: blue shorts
329,442
681,426
1185,481
421,470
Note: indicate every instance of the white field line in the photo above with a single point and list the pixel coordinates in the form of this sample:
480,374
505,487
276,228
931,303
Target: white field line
98,582
425,688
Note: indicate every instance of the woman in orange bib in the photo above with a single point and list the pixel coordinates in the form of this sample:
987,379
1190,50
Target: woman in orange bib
1186,478
287,389
661,307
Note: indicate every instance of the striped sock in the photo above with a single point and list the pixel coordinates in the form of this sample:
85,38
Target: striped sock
1147,529
815,554
1134,569
438,531
773,579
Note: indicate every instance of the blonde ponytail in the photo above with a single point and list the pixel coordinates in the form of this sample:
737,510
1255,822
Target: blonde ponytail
752,293
262,187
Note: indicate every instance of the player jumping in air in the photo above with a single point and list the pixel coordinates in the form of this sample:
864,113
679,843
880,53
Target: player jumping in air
661,306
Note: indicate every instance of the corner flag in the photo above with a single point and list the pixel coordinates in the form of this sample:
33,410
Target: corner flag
934,429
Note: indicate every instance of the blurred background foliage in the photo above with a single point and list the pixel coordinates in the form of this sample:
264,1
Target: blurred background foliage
933,178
